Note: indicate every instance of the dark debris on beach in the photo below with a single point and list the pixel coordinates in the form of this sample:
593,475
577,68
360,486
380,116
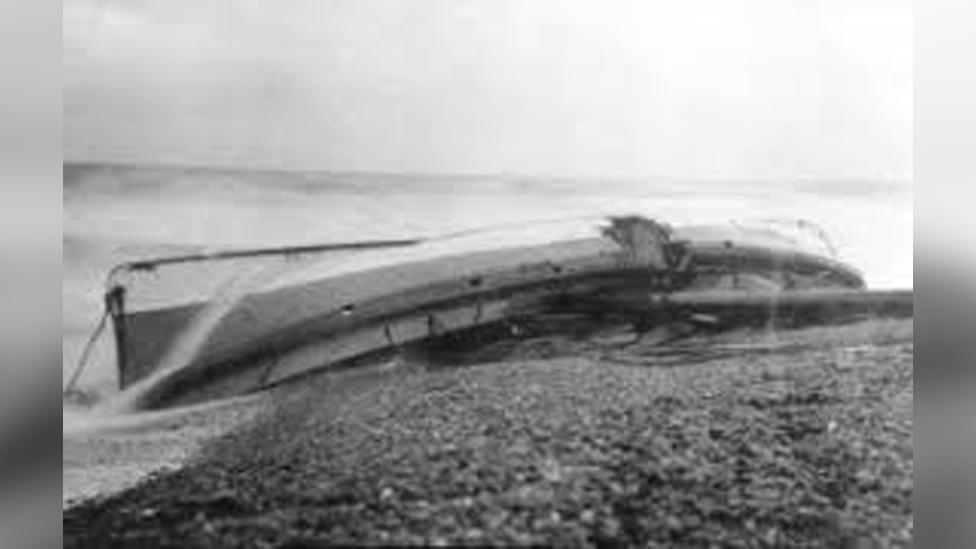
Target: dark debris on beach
807,446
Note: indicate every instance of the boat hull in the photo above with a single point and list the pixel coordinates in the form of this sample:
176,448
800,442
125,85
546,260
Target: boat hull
275,336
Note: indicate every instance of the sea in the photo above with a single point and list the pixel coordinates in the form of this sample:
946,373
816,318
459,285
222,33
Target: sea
114,214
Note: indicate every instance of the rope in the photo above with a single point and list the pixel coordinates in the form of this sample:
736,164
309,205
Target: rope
86,354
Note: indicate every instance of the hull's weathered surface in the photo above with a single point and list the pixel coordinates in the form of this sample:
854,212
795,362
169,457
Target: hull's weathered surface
318,320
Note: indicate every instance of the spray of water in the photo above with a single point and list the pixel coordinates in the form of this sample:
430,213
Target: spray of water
196,334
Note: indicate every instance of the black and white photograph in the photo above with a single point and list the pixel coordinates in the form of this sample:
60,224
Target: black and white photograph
492,273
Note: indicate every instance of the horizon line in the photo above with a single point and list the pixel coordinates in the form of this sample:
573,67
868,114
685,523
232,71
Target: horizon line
481,175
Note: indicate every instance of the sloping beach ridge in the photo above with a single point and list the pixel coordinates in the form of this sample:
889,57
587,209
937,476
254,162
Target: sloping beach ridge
800,438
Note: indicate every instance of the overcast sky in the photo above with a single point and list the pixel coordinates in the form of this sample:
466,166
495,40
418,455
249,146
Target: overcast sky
686,88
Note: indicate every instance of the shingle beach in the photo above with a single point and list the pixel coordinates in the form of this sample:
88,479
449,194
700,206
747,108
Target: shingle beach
800,438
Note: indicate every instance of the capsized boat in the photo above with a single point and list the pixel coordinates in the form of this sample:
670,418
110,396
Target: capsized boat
295,312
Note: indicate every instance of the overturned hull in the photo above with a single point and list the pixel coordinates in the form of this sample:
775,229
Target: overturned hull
335,313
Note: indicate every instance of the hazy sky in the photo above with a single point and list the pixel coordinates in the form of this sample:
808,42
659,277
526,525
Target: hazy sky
689,88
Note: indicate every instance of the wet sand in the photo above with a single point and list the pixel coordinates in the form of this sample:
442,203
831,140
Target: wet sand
105,455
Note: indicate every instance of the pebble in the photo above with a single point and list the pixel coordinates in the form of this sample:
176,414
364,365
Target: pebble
488,460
